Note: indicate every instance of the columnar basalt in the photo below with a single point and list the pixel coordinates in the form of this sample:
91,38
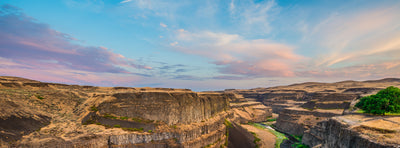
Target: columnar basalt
169,107
36,114
356,131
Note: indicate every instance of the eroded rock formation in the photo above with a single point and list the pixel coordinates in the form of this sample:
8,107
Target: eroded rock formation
303,106
355,131
36,114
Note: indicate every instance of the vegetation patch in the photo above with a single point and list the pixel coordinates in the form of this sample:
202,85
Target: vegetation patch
94,108
133,129
109,116
280,137
39,97
386,101
298,138
299,144
89,122
256,139
228,125
140,120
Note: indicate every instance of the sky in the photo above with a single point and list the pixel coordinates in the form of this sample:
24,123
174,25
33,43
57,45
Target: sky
200,45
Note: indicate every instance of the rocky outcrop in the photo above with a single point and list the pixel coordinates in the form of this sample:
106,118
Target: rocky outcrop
297,116
250,111
301,106
239,137
196,135
170,107
15,126
296,120
36,114
354,131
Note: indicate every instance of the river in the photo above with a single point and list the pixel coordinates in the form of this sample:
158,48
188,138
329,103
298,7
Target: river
287,143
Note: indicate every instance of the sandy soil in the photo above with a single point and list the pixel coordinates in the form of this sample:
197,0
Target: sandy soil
267,139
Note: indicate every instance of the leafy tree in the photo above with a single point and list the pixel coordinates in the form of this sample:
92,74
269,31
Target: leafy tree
385,101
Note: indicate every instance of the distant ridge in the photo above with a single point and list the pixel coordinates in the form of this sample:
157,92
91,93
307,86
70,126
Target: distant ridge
385,80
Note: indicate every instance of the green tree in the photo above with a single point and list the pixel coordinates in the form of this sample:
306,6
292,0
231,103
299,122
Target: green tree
385,101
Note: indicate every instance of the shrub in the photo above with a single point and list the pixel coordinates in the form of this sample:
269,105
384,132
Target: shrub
137,119
94,108
109,116
227,123
39,97
117,126
385,101
299,145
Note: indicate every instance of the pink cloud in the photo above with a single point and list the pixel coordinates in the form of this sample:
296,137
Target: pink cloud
238,56
34,50
262,68
346,36
69,76
359,72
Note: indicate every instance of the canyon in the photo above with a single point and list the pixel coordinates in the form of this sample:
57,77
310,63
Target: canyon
39,114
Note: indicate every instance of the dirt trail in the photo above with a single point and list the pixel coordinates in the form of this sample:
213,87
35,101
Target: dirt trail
267,139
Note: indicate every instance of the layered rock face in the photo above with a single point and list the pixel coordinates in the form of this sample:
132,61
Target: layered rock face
302,106
320,106
355,131
36,114
297,120
170,107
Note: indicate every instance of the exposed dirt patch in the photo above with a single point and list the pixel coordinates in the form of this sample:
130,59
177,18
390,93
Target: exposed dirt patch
267,139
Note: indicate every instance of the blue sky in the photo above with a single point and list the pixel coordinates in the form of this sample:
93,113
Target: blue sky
201,45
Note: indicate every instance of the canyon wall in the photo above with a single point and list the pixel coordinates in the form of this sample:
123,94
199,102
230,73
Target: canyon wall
354,131
303,107
36,114
170,107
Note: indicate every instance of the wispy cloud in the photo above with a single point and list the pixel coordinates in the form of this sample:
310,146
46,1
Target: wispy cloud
125,1
346,36
163,25
236,55
255,17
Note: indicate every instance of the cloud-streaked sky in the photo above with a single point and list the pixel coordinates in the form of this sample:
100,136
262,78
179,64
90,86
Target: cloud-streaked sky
201,45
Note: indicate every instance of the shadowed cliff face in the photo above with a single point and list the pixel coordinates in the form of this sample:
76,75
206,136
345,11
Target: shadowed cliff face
357,131
36,114
302,106
169,107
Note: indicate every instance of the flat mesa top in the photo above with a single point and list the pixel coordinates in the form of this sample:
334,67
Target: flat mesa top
384,129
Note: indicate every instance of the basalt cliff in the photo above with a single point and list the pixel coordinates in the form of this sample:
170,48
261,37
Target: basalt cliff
324,113
38,114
